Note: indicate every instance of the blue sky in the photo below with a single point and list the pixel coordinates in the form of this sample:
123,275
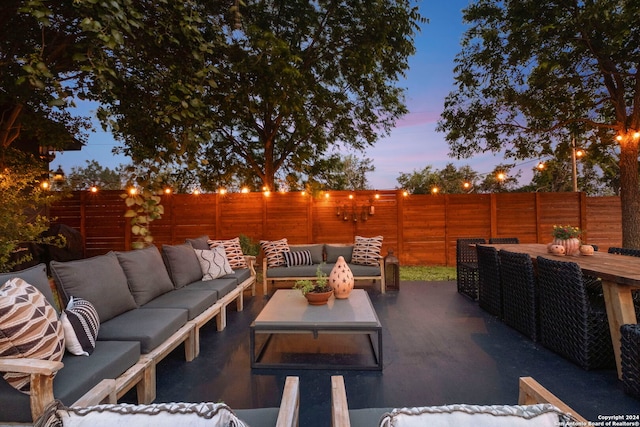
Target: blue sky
413,144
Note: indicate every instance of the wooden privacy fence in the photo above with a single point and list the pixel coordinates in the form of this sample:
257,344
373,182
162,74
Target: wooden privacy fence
421,229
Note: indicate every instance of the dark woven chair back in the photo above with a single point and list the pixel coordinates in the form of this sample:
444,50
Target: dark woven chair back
499,240
573,321
519,293
467,266
624,251
630,358
489,284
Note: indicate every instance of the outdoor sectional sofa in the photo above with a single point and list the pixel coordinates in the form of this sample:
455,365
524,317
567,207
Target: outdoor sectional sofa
148,303
323,256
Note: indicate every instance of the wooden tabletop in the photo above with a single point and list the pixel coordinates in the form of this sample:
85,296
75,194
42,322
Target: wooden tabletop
623,270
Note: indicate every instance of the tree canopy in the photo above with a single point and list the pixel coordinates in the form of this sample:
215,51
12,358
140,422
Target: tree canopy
293,78
532,74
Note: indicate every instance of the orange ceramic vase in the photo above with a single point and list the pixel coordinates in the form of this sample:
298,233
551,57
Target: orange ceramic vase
341,279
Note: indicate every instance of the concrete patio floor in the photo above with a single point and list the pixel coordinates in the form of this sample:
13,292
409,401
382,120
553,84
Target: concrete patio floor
439,348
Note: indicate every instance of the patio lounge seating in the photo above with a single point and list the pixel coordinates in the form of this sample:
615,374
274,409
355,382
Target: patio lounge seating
172,414
467,266
573,321
537,406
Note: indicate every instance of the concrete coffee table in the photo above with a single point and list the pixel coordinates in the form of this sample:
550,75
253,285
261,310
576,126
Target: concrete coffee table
294,334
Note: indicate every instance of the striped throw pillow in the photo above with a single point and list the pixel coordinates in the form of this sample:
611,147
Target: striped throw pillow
29,328
273,250
233,250
81,323
297,258
366,251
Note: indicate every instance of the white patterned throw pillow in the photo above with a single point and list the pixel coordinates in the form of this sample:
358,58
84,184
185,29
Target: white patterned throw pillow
366,251
273,251
81,323
214,263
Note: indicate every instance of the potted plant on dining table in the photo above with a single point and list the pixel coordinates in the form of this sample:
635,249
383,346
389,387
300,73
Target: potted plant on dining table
318,291
567,237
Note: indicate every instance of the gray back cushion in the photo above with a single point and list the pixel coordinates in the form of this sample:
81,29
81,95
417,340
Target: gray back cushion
315,250
35,276
182,264
335,251
146,274
100,280
199,243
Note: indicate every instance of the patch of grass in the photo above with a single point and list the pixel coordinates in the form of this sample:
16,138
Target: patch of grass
427,273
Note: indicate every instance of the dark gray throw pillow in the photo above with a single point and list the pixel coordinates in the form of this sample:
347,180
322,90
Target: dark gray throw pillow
182,264
100,280
201,243
36,276
146,274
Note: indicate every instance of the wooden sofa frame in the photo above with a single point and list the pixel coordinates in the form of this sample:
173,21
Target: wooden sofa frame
288,413
142,375
531,392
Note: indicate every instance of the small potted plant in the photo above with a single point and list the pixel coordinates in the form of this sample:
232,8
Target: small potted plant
568,237
318,291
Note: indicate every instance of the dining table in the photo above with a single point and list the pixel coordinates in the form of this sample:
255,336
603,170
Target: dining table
620,275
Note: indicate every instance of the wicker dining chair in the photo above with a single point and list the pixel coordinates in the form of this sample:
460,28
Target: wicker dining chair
573,321
630,358
499,240
467,266
489,283
519,293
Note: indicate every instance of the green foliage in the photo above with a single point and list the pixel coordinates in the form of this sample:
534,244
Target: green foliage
143,208
449,180
427,273
532,75
320,284
93,174
22,218
248,246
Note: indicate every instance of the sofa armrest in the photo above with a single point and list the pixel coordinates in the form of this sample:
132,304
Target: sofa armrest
290,403
532,392
42,372
103,392
251,263
339,406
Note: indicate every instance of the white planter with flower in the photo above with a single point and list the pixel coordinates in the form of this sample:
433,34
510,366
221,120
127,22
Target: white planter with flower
568,237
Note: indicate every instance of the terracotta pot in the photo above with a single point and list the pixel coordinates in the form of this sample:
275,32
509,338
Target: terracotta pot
341,279
318,298
571,246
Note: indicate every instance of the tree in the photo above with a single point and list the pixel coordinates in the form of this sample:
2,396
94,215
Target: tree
299,77
93,174
533,74
449,180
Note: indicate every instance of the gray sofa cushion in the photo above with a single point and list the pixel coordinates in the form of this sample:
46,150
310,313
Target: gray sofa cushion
182,264
80,373
367,417
221,285
151,326
310,270
240,275
100,280
36,276
199,242
193,300
335,251
258,417
317,257
146,273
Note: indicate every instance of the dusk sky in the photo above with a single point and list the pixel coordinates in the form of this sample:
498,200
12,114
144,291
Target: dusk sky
414,143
